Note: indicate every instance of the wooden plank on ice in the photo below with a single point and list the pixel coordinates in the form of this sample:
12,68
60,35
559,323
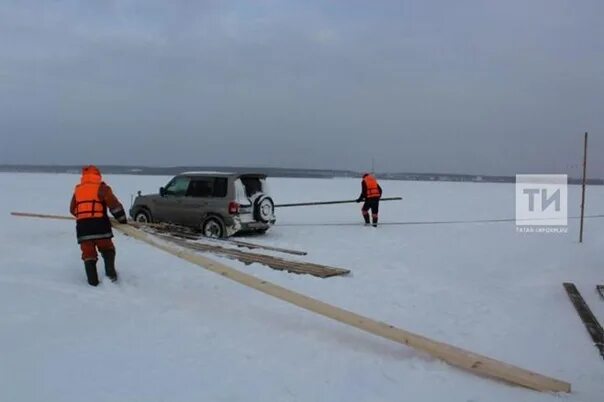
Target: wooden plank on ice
465,359
589,319
183,231
297,267
470,361
265,247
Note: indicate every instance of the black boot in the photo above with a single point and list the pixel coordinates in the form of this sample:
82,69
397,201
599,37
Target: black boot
93,279
109,259
375,221
366,216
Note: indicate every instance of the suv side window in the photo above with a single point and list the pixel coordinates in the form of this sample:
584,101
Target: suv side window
220,187
205,187
200,187
178,186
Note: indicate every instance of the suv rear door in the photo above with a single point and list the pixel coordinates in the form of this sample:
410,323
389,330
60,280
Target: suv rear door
253,184
249,187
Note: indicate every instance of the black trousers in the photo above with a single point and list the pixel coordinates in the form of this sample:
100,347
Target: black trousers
372,204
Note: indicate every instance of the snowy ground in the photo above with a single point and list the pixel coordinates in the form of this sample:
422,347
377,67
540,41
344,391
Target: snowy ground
171,331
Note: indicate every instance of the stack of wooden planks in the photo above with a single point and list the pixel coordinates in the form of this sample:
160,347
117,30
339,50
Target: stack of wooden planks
297,267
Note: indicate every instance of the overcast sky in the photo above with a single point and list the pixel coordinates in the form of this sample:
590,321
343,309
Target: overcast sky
495,87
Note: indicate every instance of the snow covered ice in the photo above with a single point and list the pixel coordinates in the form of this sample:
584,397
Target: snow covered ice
171,331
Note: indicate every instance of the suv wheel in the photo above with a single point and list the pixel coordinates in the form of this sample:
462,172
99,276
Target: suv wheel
142,216
264,209
213,227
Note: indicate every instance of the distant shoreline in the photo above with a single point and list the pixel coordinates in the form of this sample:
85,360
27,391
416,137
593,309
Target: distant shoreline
274,172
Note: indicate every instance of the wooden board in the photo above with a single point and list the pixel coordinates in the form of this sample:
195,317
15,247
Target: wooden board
264,247
589,319
186,232
470,361
453,355
297,267
173,229
43,216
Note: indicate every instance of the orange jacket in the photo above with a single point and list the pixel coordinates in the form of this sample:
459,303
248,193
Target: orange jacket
89,204
86,202
92,196
371,188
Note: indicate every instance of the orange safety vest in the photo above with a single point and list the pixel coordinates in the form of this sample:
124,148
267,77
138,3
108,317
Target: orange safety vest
88,203
373,191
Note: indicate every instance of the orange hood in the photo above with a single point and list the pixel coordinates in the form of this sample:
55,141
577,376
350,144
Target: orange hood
91,174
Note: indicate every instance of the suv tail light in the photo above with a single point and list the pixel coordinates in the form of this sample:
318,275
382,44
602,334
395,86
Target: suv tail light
233,208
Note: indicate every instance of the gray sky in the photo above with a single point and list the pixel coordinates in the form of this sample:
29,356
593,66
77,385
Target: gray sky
495,87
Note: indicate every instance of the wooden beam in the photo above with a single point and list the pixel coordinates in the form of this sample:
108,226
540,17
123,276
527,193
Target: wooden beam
71,218
160,225
265,247
297,267
470,361
589,319
43,216
186,231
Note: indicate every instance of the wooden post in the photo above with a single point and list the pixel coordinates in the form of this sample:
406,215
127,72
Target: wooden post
583,188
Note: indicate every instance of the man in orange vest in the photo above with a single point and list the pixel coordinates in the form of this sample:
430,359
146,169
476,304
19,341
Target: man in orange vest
89,204
371,192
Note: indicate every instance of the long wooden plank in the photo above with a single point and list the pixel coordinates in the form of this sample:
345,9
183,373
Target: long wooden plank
187,232
321,271
43,216
470,361
589,319
265,247
182,234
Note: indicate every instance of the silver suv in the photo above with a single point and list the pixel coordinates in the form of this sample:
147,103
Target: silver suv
219,204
